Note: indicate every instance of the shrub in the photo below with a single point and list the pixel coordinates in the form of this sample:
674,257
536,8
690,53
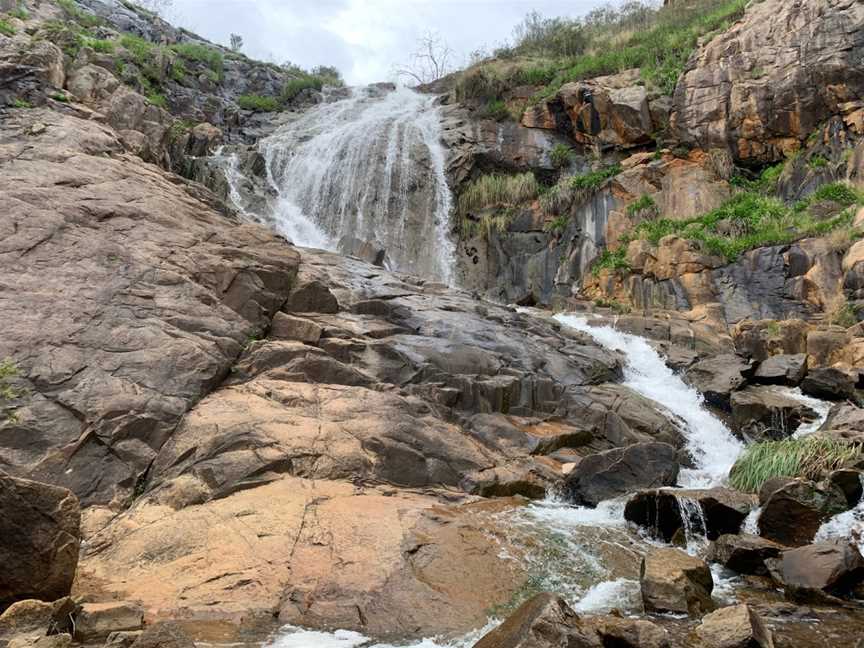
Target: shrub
807,457
837,192
100,45
589,182
817,162
6,28
295,86
75,13
611,260
259,103
495,190
644,204
560,156
21,103
157,99
200,53
495,109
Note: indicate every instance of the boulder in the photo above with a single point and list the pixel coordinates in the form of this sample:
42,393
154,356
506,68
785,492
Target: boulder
762,414
544,621
850,482
782,369
95,621
793,512
673,581
164,635
763,339
609,474
620,632
736,626
845,421
122,639
92,84
782,52
33,619
818,571
717,377
299,329
744,553
712,512
311,296
829,383
39,540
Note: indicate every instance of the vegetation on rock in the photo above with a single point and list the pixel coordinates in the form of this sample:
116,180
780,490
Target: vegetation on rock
807,457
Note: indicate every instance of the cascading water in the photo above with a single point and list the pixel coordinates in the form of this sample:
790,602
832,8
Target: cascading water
364,170
709,441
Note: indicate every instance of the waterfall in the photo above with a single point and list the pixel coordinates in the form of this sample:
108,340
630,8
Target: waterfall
709,441
847,525
366,171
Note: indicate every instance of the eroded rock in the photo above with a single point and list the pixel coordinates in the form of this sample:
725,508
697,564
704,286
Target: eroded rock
673,581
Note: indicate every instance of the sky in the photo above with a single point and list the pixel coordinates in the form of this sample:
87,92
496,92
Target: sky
364,39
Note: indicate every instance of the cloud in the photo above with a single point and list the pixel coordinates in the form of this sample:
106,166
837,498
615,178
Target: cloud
363,38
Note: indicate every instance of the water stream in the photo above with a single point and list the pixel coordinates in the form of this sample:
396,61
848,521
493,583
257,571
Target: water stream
364,171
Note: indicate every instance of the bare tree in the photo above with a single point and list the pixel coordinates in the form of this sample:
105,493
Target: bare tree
236,42
430,61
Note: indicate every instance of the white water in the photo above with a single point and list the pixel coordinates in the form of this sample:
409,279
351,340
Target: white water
848,525
366,168
709,441
294,637
822,409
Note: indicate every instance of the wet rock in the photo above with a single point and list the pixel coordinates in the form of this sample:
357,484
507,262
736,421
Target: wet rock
164,635
829,383
673,581
716,378
762,414
544,621
712,512
737,626
793,512
788,369
39,540
311,297
528,477
850,482
819,571
744,553
619,471
626,633
95,621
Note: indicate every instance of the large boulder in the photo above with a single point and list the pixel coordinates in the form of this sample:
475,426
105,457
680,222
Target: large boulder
820,571
845,421
95,621
39,540
744,553
736,626
619,471
763,413
711,512
793,511
829,383
544,621
782,369
717,377
30,620
673,581
801,55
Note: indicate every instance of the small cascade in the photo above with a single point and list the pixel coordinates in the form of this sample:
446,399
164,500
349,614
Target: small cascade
365,171
693,523
822,409
711,444
751,522
848,525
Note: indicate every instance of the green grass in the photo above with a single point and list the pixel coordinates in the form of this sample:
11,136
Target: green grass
8,371
101,45
611,260
765,182
21,103
158,99
294,87
561,156
808,457
259,103
495,109
6,28
593,180
817,162
204,54
645,204
494,190
749,220
62,97
75,13
20,13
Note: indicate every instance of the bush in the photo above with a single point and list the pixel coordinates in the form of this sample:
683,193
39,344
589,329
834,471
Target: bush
587,183
199,53
101,45
21,103
75,13
644,204
807,457
157,99
295,86
837,192
561,156
495,109
259,103
6,28
495,190
611,260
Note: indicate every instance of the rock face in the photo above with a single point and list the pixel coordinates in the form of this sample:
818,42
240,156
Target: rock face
39,540
673,581
120,238
737,626
619,471
793,512
829,383
781,52
782,369
716,378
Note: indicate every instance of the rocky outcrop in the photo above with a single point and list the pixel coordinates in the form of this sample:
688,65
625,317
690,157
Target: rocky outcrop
717,377
673,581
782,369
39,540
751,88
829,383
620,471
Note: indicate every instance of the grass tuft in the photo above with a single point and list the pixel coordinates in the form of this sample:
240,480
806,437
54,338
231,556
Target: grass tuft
6,28
808,458
259,103
494,190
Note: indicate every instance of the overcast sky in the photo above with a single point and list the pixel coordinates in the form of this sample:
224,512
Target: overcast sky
363,38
